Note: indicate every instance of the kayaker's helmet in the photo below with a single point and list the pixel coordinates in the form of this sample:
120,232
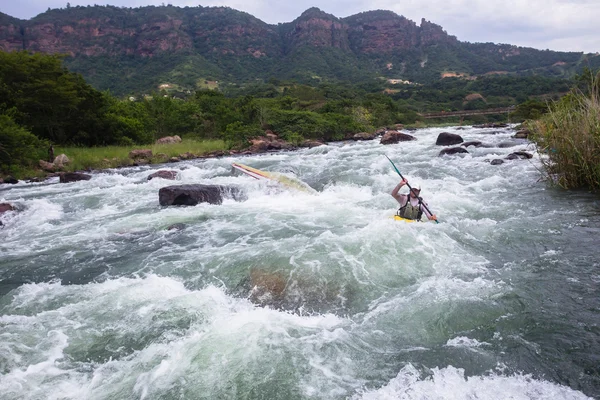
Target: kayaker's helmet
416,186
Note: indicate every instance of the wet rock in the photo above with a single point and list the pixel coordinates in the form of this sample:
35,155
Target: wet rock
393,137
217,153
448,139
453,150
522,134
311,143
4,208
475,143
174,159
519,155
9,179
67,177
511,143
164,174
364,136
496,161
190,195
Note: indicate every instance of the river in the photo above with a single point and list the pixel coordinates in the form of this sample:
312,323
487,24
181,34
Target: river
292,295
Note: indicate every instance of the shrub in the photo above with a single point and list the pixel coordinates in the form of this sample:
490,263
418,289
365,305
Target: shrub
18,147
568,138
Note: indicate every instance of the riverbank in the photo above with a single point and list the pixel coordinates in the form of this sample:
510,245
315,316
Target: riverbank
99,158
86,159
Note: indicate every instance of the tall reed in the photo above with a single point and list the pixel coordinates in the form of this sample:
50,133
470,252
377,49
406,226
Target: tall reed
568,138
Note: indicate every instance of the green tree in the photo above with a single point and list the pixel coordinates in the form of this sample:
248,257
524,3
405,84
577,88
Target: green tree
18,147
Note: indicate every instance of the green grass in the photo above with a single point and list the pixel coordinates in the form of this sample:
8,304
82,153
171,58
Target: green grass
82,158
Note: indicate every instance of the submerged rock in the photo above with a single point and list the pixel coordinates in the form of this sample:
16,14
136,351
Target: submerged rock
190,195
519,155
164,174
452,150
4,208
475,143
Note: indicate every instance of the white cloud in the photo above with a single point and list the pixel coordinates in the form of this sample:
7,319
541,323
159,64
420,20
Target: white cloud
555,24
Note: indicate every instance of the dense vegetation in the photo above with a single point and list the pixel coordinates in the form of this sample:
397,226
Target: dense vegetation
43,103
568,136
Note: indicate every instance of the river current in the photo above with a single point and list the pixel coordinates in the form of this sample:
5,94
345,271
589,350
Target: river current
292,295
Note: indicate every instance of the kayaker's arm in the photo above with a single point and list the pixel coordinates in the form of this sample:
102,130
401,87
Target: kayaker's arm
395,194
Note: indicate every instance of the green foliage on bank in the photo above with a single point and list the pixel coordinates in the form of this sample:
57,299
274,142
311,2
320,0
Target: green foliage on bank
19,149
568,136
40,99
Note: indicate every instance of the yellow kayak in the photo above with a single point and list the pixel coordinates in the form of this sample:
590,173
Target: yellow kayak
399,218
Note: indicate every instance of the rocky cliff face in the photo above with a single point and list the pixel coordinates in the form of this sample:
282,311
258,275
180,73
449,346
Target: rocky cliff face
319,29
145,32
378,32
433,34
219,43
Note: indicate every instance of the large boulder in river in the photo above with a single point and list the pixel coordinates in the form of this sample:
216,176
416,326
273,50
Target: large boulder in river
448,139
66,177
393,137
190,195
452,150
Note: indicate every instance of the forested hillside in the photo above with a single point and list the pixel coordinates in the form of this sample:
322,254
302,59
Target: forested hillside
135,50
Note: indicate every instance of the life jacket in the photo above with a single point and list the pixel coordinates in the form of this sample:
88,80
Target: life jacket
409,211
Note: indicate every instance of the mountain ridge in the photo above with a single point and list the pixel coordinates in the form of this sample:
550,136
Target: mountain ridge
190,45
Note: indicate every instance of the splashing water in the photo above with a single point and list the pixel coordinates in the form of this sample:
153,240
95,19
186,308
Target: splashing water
293,295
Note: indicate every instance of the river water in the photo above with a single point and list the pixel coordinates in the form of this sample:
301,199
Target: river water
292,295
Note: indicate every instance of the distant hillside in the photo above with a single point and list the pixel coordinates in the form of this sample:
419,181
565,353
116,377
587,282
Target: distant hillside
136,49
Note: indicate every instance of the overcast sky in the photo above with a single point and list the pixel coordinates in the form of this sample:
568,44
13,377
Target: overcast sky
565,25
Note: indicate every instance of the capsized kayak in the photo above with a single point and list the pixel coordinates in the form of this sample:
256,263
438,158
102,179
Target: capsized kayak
289,182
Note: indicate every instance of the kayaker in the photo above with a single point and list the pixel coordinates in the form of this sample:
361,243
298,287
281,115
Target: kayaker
411,205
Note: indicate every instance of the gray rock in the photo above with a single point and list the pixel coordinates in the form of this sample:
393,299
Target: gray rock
66,177
164,174
393,137
453,150
190,195
448,139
